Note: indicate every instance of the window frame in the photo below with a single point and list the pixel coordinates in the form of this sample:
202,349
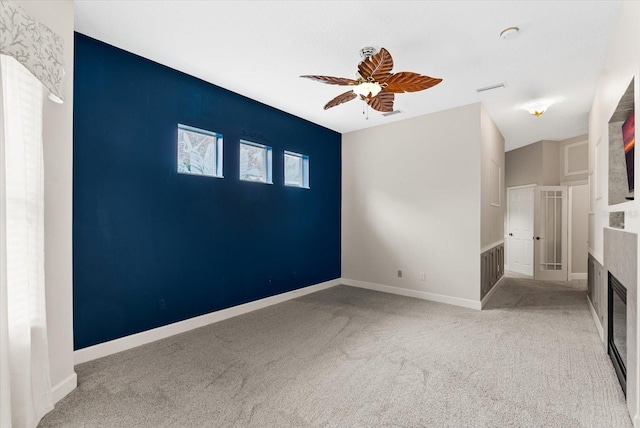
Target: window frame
304,169
268,161
219,150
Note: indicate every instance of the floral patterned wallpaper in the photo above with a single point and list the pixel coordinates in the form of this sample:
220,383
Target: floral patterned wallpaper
34,45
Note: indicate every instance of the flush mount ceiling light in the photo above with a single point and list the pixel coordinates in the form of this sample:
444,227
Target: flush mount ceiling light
538,111
538,108
509,32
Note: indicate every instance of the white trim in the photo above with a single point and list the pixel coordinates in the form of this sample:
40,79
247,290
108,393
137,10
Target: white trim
566,159
596,320
597,256
575,183
573,276
522,186
122,344
570,230
59,391
490,246
441,298
622,206
490,293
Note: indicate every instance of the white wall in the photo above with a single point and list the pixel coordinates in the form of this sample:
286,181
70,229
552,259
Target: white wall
536,163
58,163
578,222
411,201
524,165
574,157
543,163
620,66
492,156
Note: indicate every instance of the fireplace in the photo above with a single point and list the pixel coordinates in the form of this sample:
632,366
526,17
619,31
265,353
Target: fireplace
617,346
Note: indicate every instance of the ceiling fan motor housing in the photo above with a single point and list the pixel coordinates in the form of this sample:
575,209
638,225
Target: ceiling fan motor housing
367,52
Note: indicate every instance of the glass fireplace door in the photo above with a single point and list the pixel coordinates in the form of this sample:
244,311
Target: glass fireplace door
618,328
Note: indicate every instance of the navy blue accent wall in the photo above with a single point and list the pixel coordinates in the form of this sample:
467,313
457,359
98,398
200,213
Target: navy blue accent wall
144,235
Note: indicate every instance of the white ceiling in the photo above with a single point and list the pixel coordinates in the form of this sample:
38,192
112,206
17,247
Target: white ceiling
260,48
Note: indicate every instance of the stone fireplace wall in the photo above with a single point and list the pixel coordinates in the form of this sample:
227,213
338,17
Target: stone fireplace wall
621,259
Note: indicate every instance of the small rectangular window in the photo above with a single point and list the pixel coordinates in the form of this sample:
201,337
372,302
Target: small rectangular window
255,162
296,170
199,152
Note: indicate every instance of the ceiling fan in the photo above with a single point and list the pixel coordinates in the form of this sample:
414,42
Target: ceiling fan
374,83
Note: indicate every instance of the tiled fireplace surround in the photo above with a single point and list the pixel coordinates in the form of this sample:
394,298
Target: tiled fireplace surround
620,258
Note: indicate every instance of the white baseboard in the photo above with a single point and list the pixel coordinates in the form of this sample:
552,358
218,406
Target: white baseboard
490,293
636,421
59,391
113,346
596,320
441,298
573,276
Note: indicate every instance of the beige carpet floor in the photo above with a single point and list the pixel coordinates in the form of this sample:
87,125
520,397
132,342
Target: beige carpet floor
347,357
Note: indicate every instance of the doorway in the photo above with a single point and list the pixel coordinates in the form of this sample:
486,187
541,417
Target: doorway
537,232
550,253
520,228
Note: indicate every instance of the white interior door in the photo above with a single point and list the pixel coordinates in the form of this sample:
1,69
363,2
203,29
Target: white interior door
551,233
520,226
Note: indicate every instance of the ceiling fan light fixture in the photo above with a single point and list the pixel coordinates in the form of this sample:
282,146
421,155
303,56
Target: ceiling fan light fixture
368,89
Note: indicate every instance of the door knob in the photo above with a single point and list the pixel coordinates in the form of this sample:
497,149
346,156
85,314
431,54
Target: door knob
511,234
538,238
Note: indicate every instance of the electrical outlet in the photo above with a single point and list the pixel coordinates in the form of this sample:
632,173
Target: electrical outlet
423,276
162,304
399,273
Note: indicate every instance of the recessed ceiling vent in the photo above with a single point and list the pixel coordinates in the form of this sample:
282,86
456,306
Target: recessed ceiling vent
391,113
490,88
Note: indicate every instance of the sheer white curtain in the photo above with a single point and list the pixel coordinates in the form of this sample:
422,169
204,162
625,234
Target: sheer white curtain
25,386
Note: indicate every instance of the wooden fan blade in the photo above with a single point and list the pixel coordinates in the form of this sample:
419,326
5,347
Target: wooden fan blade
382,102
342,98
406,81
377,67
330,80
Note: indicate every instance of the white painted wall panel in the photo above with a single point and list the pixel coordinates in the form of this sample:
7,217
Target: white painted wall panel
58,169
411,202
